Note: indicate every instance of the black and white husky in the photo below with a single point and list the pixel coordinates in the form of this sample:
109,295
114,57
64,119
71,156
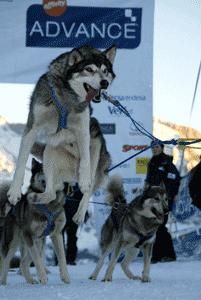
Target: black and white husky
71,82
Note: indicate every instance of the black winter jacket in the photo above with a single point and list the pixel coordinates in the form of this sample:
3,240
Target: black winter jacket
161,169
195,186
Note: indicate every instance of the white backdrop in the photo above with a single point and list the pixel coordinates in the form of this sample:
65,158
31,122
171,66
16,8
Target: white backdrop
30,39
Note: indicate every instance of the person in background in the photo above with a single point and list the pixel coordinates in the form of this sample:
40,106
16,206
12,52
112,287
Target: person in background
69,232
162,170
195,186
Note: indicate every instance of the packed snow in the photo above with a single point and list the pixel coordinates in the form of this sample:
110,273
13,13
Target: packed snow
180,280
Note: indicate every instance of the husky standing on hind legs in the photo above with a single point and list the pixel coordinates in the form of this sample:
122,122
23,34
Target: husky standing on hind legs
72,81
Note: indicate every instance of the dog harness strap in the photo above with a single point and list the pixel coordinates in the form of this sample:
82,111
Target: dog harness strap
63,113
143,238
50,218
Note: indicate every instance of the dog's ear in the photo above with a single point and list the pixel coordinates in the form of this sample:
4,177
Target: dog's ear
58,65
75,57
35,165
110,53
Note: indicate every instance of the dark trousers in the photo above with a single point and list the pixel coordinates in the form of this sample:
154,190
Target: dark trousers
70,230
69,235
163,246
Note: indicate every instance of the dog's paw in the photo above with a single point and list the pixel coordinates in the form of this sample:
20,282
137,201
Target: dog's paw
65,278
107,279
44,279
79,217
32,281
92,277
14,195
145,278
133,277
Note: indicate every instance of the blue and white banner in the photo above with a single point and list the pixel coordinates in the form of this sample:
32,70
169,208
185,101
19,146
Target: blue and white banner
33,33
81,24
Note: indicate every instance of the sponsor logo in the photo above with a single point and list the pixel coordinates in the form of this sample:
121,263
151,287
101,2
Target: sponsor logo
54,7
52,25
114,111
133,180
108,128
141,165
126,148
136,98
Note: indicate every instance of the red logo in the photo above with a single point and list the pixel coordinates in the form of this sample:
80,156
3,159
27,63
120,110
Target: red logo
126,148
55,8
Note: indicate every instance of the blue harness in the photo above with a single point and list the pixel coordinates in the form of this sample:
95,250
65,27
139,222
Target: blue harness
63,113
51,217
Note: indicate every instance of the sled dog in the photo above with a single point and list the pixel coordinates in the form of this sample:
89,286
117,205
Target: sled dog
64,92
26,225
130,228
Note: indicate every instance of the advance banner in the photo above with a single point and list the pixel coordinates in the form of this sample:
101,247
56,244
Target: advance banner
34,32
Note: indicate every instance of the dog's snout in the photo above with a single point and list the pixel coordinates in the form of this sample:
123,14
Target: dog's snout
104,84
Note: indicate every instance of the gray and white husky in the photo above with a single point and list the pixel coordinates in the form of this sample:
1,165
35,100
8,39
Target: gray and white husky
71,82
130,228
26,225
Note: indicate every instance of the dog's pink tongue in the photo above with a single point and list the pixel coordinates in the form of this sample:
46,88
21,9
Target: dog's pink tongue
92,93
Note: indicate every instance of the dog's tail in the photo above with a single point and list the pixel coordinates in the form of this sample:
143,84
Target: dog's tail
37,150
115,190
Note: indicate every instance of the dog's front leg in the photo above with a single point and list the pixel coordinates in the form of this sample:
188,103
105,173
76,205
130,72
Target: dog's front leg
94,158
130,254
38,262
112,263
57,241
25,262
79,217
147,253
14,193
100,262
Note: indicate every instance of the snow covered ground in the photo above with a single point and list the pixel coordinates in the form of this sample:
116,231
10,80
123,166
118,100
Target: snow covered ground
180,280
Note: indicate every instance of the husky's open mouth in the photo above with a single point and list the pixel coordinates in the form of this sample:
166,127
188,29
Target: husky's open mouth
92,94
